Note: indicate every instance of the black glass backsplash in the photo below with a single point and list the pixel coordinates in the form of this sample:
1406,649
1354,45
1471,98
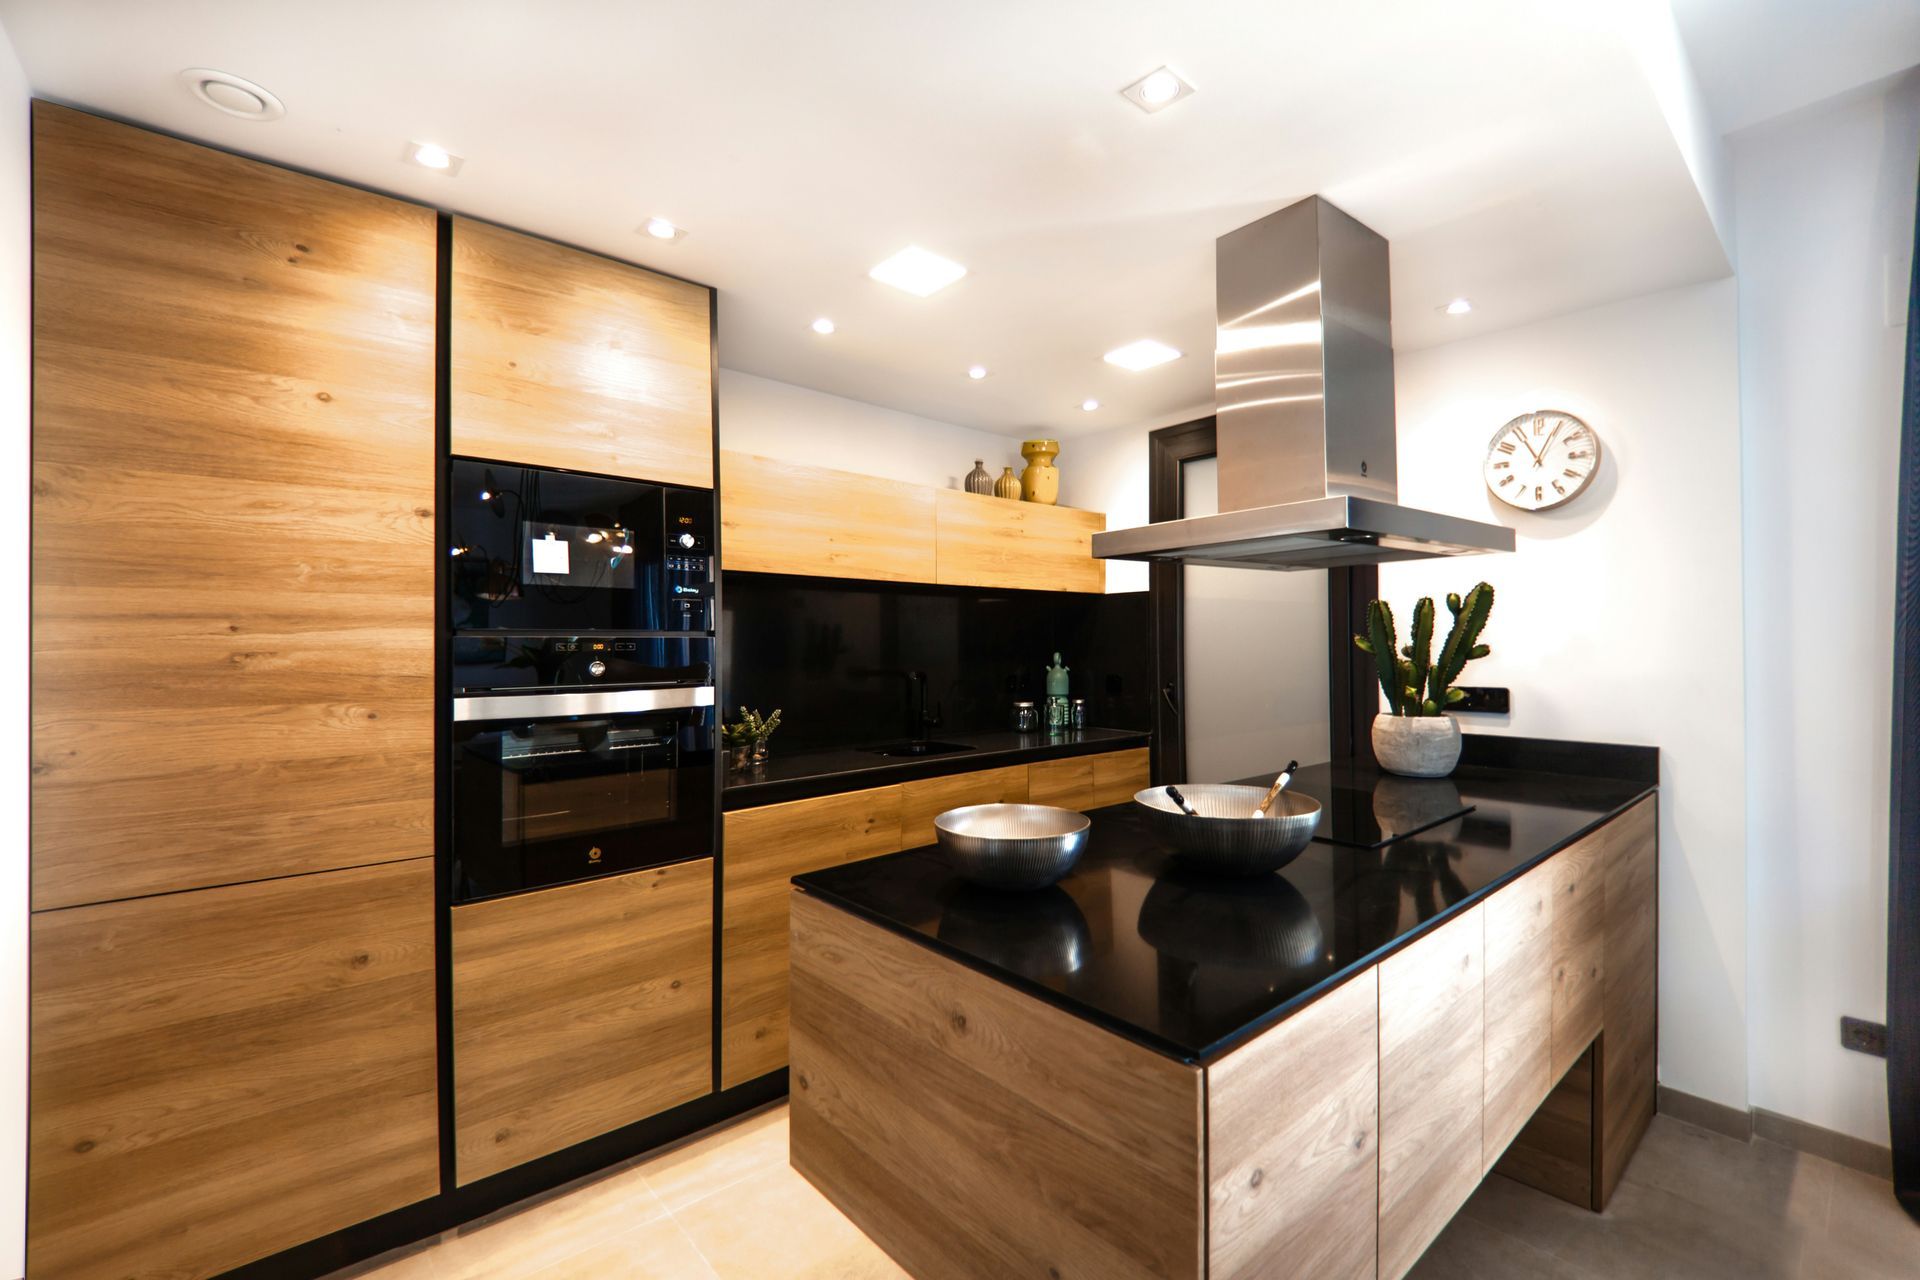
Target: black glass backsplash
796,643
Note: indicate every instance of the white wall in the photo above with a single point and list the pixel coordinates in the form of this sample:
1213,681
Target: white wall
1826,216
1617,619
15,326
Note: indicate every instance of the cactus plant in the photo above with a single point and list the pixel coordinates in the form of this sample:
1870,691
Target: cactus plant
1415,683
750,728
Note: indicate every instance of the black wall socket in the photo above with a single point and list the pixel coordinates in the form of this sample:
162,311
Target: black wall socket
1862,1036
1490,699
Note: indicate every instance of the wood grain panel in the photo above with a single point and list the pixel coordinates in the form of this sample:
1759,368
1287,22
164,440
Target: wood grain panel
1293,1159
1117,775
563,358
923,801
1554,1152
233,494
221,1074
1630,858
765,848
981,541
1519,1007
1432,1046
577,1010
975,1132
1067,783
784,517
1579,947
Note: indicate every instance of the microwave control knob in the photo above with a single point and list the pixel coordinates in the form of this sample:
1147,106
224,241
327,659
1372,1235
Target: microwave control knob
596,668
686,540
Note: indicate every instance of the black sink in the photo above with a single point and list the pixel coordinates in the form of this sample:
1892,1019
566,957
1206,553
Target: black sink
919,749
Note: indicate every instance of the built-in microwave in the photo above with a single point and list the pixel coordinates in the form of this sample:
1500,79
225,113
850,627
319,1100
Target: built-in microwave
537,549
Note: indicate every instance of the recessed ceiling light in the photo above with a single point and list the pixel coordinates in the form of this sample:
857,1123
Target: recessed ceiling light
917,271
1458,307
1158,89
431,155
232,95
977,372
1143,354
661,229
1089,405
823,325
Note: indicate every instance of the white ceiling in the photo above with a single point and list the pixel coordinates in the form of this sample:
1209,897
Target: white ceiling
1757,59
1512,152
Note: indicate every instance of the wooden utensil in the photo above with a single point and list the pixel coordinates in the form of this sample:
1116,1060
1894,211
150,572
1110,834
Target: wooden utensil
1279,785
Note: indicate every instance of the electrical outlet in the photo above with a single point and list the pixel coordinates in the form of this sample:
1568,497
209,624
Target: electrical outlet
1862,1036
1490,699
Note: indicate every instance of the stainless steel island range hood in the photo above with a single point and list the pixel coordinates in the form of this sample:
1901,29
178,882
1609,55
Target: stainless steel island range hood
1303,385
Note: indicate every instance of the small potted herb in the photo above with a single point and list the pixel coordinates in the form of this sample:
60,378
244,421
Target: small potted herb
1416,736
746,738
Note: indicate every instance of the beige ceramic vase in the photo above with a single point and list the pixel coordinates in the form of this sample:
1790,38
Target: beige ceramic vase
1040,482
1008,485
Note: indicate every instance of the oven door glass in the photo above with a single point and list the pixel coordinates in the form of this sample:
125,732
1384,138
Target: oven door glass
543,802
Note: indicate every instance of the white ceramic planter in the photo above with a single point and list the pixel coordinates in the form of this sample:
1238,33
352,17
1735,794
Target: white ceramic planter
1417,746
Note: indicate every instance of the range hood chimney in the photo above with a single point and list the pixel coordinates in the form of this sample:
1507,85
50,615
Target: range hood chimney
1303,393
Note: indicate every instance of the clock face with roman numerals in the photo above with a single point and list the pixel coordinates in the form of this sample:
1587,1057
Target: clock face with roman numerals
1541,460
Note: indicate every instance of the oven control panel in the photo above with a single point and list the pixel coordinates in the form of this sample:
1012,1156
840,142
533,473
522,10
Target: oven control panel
687,560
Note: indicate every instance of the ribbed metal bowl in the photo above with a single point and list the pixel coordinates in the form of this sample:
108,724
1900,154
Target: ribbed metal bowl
1012,846
1226,838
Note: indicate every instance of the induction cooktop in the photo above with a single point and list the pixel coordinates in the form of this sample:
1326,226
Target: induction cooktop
1363,808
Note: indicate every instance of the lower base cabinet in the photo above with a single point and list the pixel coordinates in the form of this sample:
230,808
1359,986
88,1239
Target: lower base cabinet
224,1073
577,1010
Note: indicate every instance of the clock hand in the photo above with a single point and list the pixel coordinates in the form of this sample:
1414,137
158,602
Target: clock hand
1550,436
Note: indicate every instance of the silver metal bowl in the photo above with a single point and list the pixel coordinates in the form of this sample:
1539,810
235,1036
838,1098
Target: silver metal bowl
1226,837
1012,846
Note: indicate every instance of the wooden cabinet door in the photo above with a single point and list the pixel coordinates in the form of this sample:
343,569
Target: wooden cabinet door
222,1074
989,542
1117,775
1432,1054
923,801
577,1010
764,849
783,517
1630,864
1293,1157
1579,947
233,507
1519,1005
563,358
1067,783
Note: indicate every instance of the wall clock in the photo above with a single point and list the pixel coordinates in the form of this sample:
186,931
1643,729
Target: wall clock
1541,460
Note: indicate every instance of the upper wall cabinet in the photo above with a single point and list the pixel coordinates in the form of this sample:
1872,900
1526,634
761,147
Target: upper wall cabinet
784,517
990,542
562,358
233,495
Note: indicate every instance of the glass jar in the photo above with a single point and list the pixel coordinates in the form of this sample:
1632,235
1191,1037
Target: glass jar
1059,713
1077,714
1026,718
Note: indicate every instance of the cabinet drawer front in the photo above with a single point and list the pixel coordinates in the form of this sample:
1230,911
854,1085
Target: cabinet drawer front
990,542
927,799
1117,775
563,358
764,849
225,1073
783,517
577,1010
1432,1052
1066,783
1579,948
1519,1005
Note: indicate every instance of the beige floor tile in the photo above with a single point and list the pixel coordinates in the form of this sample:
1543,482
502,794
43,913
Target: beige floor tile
657,1251
1868,1235
706,1164
774,1224
535,1236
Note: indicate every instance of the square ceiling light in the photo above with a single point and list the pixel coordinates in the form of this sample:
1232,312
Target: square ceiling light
1144,354
918,271
1157,90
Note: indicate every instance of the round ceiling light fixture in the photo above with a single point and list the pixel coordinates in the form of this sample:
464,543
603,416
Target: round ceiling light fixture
822,326
231,94
1089,405
977,372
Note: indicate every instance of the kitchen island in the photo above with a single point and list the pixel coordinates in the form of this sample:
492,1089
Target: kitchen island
1143,1072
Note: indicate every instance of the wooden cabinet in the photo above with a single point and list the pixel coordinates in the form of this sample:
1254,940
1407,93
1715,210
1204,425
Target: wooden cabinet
923,801
563,358
765,848
1579,948
221,1074
783,517
233,496
1519,1007
1630,866
1293,1158
1117,775
577,1010
1432,1054
981,541
1067,783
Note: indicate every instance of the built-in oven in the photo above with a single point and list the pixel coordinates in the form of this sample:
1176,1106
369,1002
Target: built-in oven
578,756
534,549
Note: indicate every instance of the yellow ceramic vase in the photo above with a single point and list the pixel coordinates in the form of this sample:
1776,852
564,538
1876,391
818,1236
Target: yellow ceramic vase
1008,485
1040,482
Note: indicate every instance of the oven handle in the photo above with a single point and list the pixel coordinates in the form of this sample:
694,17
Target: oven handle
537,706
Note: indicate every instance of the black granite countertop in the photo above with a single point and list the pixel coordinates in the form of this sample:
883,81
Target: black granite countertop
800,774
1192,965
